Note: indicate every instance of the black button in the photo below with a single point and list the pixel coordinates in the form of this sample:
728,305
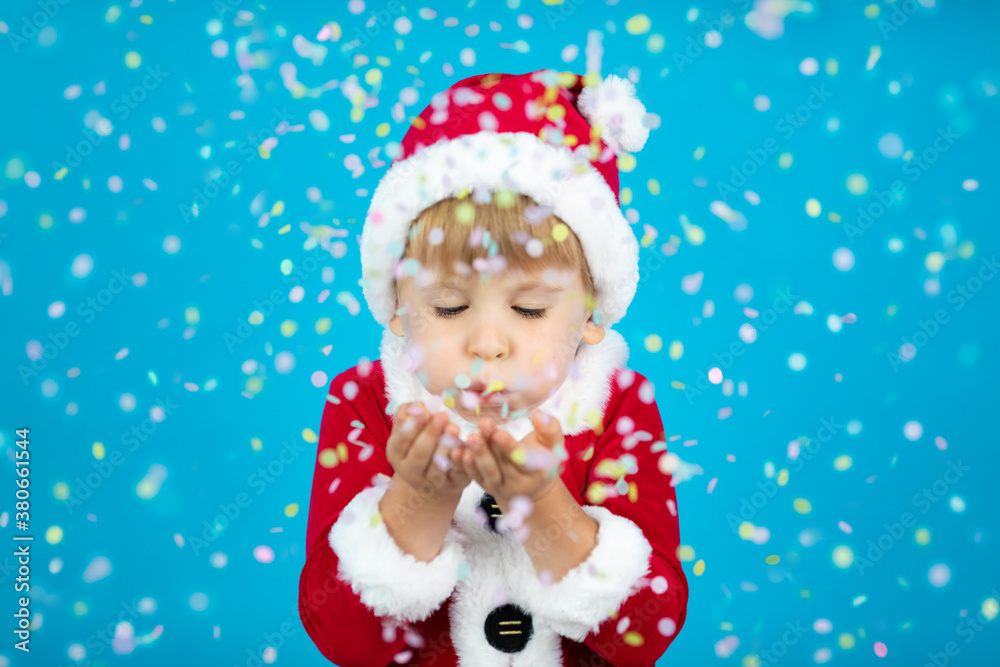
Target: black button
508,628
489,505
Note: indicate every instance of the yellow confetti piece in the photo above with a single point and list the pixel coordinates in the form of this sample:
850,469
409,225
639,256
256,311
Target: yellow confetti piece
699,152
676,350
256,444
638,25
873,55
626,163
934,261
653,186
342,452
98,450
309,436
871,11
284,230
922,536
80,608
596,493
323,325
699,568
147,19
288,328
842,462
783,477
519,456
589,454
113,13
60,491
291,509
382,130
653,343
633,492
555,112
802,506
373,76
375,520
813,208
191,315
831,66
966,249
328,458
465,213
54,535
61,174
857,184
625,196
685,553
785,160
990,608
846,641
132,60
633,638
677,384
746,530
843,556
560,232
773,559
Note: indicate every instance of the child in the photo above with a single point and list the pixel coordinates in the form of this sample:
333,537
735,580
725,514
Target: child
494,490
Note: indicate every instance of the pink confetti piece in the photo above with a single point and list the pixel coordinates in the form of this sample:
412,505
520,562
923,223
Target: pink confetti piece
881,650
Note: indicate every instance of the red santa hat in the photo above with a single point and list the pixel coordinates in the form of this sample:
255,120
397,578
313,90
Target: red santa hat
553,136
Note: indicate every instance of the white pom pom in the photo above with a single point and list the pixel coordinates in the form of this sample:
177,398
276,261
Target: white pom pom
613,106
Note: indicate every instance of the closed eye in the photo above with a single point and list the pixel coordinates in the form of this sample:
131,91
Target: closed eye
527,313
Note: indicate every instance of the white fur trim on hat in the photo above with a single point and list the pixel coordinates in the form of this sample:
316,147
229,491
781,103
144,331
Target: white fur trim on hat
390,582
553,176
588,594
613,106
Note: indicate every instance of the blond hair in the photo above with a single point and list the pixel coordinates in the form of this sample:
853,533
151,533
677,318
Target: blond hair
502,226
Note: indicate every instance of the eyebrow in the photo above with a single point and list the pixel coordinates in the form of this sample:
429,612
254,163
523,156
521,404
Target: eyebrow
524,287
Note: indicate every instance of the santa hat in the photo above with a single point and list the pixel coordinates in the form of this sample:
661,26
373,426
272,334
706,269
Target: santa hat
553,136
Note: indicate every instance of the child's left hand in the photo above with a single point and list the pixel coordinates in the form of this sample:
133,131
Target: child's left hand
506,468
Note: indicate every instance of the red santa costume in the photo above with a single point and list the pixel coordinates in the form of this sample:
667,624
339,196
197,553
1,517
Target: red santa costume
479,603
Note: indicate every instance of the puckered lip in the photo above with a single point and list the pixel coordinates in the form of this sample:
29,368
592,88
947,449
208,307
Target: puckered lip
479,387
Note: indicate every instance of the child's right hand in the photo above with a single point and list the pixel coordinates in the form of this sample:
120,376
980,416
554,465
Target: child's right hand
419,445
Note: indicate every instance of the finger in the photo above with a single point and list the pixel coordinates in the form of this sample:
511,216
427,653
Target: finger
510,451
405,430
486,461
547,428
422,449
467,462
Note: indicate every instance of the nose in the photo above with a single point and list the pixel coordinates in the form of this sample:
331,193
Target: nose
488,341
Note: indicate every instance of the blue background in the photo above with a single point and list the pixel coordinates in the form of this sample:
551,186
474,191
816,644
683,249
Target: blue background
217,604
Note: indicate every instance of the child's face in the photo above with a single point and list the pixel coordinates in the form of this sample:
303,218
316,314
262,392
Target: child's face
521,328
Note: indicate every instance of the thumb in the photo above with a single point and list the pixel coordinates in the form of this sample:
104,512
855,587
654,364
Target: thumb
547,428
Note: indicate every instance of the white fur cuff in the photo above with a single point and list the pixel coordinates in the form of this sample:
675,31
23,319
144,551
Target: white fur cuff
390,582
589,593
